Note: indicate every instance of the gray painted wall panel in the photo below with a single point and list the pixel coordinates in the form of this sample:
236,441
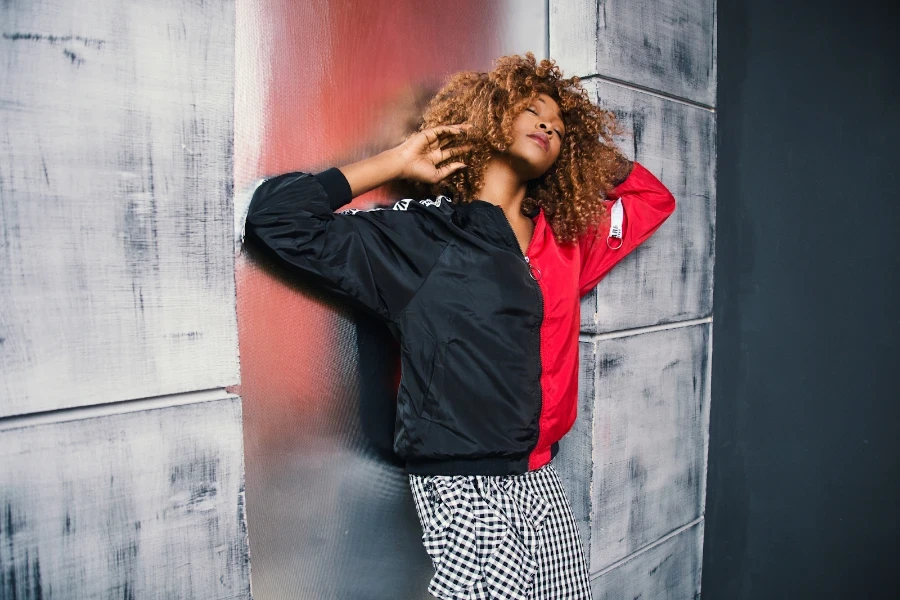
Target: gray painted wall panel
137,505
664,45
116,263
649,393
670,570
670,276
651,415
574,462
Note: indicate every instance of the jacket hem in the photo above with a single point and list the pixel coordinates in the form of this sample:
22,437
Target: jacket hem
467,466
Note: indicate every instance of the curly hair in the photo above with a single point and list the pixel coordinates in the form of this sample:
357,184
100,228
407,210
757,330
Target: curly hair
589,164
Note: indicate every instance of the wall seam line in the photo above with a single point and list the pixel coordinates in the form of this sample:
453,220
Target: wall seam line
647,90
547,29
78,413
590,337
646,548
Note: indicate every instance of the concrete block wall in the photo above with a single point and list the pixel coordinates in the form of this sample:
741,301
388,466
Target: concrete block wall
646,338
121,454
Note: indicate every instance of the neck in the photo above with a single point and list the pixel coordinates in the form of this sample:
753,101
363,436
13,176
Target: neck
503,186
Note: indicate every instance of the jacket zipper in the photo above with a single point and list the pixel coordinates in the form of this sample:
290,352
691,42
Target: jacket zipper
540,295
531,268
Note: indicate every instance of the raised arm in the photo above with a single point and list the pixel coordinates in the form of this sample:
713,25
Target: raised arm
376,258
642,203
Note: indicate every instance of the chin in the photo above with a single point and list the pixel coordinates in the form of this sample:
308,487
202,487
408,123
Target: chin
530,166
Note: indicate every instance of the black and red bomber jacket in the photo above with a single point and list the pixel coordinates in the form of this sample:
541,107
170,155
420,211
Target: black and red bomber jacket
488,335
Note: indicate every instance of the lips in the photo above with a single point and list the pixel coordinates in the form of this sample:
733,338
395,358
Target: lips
541,139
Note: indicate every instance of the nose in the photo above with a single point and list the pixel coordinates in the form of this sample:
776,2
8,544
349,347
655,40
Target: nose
546,129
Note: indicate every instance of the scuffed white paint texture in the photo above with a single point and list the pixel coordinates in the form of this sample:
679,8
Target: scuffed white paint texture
651,415
664,45
573,36
669,277
116,263
140,505
668,571
574,462
646,397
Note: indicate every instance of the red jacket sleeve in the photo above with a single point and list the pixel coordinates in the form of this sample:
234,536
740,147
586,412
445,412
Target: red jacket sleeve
647,203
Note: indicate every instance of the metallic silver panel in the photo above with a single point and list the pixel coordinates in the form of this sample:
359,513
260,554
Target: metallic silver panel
322,84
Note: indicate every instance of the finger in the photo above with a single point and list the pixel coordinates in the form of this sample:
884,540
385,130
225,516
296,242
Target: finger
452,140
442,154
449,169
431,137
456,151
437,156
442,131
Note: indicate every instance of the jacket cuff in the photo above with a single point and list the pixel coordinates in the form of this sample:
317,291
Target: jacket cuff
336,186
623,170
626,185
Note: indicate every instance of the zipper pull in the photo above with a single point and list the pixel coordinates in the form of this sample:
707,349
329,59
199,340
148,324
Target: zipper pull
532,269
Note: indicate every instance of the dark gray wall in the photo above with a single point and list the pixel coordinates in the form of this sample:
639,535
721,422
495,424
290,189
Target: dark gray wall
803,456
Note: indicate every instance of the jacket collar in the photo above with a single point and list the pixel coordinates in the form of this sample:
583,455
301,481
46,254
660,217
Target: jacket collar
488,222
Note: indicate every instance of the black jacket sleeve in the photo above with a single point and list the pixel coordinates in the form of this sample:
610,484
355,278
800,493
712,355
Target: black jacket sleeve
377,257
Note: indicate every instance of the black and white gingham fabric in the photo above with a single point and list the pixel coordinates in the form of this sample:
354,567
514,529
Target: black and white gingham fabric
507,537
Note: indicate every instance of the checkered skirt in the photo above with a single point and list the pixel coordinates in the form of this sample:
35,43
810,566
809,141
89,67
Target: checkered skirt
510,537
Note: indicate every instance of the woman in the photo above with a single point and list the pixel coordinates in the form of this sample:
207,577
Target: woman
528,206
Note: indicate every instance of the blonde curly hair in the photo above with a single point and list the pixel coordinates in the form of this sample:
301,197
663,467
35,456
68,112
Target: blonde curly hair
589,164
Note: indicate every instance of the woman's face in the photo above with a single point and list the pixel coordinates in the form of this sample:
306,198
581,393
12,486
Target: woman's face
537,137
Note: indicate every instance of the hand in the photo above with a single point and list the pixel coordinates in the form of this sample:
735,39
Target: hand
424,155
